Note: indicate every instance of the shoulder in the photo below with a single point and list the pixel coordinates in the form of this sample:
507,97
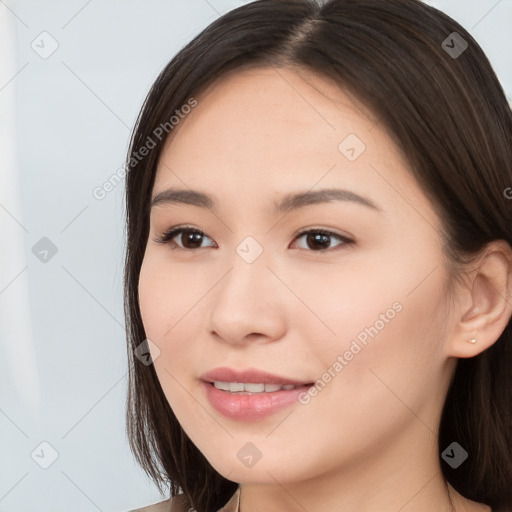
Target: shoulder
180,504
161,506
176,504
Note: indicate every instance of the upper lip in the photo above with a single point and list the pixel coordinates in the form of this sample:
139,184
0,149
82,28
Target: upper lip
251,375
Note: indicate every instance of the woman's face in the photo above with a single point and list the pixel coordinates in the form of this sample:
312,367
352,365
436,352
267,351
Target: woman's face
361,311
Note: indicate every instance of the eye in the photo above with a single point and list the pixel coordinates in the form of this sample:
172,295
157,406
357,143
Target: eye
191,241
319,239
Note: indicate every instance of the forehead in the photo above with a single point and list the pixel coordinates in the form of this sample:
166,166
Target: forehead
282,108
269,129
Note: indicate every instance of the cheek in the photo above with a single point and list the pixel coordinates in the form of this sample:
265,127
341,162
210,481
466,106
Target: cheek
149,303
390,354
350,309
165,295
389,315
169,304
160,308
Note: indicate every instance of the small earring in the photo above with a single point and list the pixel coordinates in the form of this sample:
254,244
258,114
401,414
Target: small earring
472,340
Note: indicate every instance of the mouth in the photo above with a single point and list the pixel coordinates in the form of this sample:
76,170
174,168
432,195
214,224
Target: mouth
250,395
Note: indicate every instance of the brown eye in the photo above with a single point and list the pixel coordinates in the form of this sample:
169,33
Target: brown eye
319,240
189,238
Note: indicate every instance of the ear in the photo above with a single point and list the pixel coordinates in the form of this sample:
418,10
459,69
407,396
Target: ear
486,304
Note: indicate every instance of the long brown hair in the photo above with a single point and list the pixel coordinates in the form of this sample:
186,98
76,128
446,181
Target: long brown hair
445,109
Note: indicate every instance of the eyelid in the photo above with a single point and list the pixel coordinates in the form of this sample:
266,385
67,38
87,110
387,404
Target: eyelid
167,234
323,229
170,233
345,239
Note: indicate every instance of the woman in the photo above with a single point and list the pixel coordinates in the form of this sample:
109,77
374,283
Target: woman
319,265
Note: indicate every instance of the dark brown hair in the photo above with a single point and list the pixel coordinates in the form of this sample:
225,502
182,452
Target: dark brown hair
449,116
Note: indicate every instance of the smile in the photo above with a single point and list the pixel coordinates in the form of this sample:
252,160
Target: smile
251,387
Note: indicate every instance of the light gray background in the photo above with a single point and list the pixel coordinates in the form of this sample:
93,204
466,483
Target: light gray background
65,122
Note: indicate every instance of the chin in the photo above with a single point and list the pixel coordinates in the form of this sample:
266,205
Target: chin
265,471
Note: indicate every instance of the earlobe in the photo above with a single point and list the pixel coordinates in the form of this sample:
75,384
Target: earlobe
490,310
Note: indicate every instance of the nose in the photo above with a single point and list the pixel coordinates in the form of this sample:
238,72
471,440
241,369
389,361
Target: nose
248,304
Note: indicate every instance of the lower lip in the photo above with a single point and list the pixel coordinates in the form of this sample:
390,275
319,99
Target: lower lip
251,407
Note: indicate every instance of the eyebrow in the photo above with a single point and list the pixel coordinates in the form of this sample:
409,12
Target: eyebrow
288,203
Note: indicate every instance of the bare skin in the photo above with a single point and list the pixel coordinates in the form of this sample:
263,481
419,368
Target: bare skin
368,440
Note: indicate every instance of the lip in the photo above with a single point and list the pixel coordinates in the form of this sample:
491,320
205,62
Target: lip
251,375
255,406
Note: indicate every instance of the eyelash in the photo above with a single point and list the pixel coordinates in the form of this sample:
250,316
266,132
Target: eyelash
168,235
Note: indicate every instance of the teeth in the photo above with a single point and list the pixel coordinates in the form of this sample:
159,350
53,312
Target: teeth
236,386
251,387
272,387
